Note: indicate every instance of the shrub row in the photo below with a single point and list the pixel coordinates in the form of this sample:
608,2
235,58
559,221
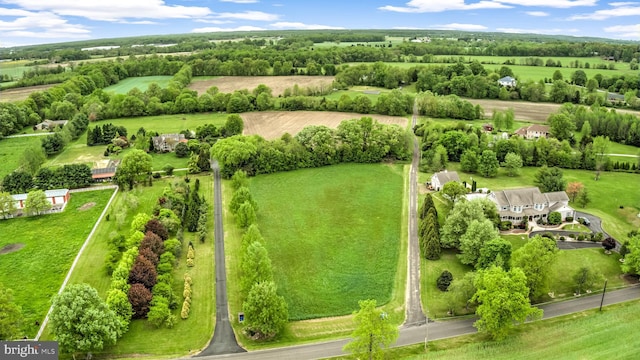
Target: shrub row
186,293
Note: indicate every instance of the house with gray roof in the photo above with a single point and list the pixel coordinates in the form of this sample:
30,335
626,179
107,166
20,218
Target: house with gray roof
508,81
516,204
534,131
440,178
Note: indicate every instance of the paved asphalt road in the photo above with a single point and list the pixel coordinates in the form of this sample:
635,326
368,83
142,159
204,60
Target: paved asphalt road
224,340
414,313
436,330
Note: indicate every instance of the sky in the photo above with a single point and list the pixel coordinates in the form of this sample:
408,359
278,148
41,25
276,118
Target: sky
29,22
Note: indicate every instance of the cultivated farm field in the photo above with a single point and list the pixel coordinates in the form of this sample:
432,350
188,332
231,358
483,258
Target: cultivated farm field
278,84
49,243
21,93
273,124
333,235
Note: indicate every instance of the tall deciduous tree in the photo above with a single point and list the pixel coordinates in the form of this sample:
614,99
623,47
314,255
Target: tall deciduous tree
135,167
573,189
495,252
7,204
11,315
256,267
488,164
503,300
459,218
32,158
453,191
469,161
585,278
17,182
478,233
82,322
265,311
583,198
631,264
464,288
513,163
233,125
36,202
246,215
535,259
600,148
373,332
549,179
561,126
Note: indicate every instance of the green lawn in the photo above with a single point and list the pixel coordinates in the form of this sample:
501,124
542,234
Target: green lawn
434,301
142,83
11,151
610,334
617,148
570,261
576,227
167,123
333,235
51,242
144,339
15,68
614,189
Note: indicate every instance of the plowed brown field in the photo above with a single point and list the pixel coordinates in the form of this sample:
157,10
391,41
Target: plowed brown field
273,124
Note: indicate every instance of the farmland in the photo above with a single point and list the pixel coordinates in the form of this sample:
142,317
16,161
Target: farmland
347,256
50,244
142,83
273,124
11,151
278,84
21,93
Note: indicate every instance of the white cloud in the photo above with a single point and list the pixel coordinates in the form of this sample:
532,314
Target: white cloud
537,13
113,10
213,21
302,26
218,29
39,24
241,1
247,15
625,31
538,31
456,26
618,9
142,22
423,6
550,3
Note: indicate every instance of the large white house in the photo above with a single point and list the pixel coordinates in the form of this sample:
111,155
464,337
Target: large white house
534,131
440,178
508,81
516,204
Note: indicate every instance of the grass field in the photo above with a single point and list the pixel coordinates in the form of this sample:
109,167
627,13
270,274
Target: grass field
614,189
11,151
586,335
164,124
142,83
51,243
144,339
524,73
335,240
15,68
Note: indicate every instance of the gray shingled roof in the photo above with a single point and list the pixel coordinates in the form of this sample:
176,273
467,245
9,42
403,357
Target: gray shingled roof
524,196
447,176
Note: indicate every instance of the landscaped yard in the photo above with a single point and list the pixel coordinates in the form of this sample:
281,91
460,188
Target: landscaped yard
576,227
613,191
333,235
51,243
142,337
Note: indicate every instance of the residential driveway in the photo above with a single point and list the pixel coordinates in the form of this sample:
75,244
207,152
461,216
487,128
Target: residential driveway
595,222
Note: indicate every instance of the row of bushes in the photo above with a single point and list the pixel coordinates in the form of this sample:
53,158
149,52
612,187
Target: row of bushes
186,294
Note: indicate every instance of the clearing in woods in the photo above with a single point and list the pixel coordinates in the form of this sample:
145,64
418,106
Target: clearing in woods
273,124
278,84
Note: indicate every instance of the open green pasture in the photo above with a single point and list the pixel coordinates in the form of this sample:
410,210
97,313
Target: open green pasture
144,339
142,83
333,235
524,73
165,124
50,244
15,68
479,122
613,190
11,150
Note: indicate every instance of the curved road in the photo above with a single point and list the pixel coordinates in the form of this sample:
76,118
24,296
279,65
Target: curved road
434,330
413,305
224,340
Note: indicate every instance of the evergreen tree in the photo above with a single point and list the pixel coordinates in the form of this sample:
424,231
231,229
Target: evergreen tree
432,246
426,205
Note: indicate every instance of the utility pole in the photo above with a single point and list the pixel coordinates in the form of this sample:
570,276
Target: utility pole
603,291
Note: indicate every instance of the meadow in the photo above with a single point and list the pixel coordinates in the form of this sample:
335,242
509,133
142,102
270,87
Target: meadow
336,237
51,243
15,68
144,339
11,150
142,83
